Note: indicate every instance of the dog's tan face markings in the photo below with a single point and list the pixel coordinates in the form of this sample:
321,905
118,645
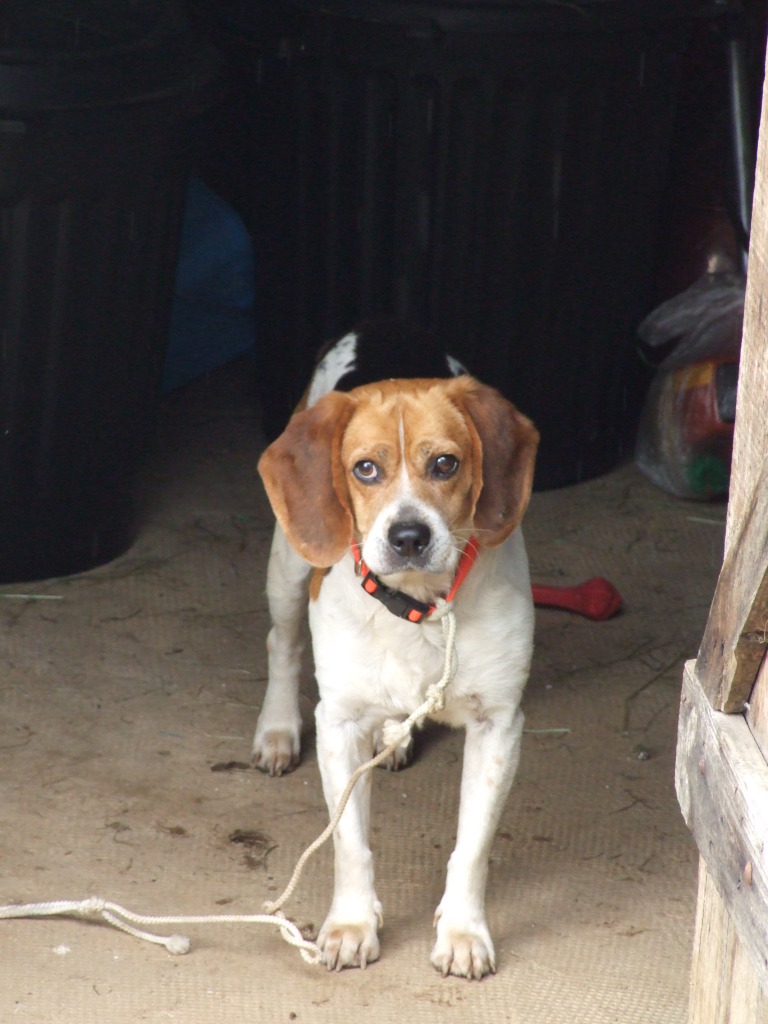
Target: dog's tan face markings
408,448
443,458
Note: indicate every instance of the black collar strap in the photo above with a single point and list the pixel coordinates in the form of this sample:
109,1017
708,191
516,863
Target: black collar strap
401,604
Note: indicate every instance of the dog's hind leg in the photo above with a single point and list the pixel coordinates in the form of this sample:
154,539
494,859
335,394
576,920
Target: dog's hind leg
277,743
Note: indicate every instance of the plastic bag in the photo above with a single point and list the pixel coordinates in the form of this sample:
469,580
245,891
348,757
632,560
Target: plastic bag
685,437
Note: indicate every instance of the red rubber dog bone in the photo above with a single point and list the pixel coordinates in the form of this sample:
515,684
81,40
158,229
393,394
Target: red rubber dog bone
596,598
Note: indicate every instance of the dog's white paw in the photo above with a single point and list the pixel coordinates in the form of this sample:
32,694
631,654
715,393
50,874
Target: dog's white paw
350,944
466,953
276,751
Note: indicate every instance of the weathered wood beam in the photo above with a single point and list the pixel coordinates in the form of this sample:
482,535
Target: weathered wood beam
736,635
722,787
750,439
724,986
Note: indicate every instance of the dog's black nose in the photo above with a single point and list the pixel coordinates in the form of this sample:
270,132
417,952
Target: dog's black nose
409,539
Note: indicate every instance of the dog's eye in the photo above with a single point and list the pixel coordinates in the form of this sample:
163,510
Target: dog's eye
366,471
444,466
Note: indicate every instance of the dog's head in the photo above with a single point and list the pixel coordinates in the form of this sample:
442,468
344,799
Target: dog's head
408,468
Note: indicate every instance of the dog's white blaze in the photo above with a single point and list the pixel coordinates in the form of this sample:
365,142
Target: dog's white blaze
404,477
335,363
377,551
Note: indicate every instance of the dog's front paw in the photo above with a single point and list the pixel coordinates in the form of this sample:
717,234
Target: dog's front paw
350,944
465,952
276,751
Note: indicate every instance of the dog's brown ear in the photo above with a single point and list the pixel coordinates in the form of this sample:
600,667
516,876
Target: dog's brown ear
303,477
507,443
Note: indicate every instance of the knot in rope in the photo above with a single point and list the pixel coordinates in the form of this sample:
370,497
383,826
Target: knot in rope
436,698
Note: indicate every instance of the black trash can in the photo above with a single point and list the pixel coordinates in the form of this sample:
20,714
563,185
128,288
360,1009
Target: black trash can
97,105
489,170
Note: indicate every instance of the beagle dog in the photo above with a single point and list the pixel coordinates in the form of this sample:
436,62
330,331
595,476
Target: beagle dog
400,485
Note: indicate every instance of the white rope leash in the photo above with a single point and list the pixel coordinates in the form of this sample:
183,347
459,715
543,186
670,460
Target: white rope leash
394,734
94,907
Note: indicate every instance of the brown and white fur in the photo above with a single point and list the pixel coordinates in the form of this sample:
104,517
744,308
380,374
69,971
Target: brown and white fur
409,469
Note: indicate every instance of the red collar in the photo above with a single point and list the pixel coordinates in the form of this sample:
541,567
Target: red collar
403,605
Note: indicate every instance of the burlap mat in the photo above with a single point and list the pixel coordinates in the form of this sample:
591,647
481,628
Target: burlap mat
126,697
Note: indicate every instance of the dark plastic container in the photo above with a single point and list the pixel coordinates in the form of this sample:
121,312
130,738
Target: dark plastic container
489,170
97,104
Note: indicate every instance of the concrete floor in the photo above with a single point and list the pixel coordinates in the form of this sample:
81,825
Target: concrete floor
129,698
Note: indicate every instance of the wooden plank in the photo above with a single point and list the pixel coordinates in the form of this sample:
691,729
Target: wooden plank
727,972
757,710
722,787
750,442
736,635
733,645
724,988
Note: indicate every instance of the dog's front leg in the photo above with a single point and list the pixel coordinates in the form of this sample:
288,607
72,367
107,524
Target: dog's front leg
491,755
277,742
349,936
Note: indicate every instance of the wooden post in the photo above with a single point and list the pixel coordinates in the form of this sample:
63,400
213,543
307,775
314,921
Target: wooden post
721,773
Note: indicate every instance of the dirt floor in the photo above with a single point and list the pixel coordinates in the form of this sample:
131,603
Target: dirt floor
129,697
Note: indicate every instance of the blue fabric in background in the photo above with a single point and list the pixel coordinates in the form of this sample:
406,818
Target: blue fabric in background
212,319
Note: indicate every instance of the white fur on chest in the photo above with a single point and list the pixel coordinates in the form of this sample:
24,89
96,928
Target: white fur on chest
371,664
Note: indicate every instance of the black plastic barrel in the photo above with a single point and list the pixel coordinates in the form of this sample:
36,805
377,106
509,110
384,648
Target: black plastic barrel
97,104
489,170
